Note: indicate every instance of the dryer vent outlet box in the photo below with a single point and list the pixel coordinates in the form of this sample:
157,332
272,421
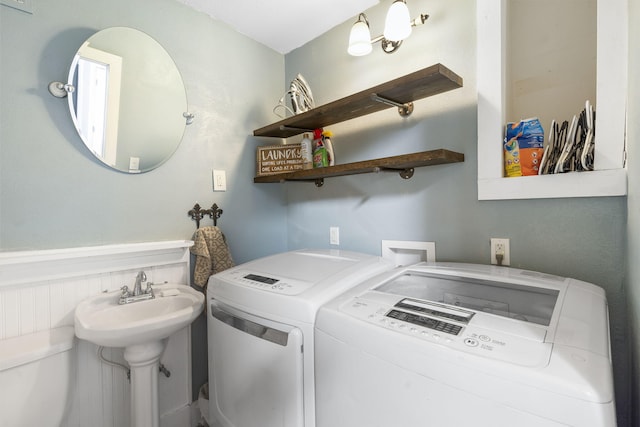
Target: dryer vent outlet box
402,252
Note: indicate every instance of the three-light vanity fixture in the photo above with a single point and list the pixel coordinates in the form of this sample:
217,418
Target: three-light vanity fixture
397,27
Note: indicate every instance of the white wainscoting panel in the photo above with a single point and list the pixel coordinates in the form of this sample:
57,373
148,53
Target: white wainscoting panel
39,290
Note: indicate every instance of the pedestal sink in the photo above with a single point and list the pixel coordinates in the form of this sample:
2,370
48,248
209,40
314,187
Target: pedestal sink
142,328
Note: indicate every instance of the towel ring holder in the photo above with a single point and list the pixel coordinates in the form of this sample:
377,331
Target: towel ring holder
197,213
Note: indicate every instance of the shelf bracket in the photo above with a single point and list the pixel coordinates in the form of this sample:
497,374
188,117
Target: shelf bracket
319,182
403,109
406,173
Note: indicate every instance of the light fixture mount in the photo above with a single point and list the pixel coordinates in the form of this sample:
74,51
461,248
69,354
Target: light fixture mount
389,46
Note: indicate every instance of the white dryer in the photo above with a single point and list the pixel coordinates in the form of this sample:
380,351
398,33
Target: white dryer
260,333
461,345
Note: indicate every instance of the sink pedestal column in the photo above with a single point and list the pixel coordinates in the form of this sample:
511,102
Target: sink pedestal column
144,360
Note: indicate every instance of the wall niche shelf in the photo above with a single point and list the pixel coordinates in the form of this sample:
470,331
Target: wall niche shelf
610,176
402,164
399,93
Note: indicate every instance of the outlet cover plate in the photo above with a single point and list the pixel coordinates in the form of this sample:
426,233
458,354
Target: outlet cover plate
219,180
495,244
334,235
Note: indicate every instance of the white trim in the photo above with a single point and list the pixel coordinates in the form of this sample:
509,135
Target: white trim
611,91
18,268
490,86
602,183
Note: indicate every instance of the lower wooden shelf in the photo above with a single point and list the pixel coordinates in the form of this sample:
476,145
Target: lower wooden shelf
403,164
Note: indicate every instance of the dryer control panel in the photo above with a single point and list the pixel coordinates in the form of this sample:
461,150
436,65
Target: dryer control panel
268,283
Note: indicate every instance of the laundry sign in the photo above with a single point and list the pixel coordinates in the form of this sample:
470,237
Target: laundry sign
274,159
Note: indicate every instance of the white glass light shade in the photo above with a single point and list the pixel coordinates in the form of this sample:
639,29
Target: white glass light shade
398,23
360,39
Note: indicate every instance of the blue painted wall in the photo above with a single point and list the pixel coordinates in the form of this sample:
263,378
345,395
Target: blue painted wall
582,238
54,195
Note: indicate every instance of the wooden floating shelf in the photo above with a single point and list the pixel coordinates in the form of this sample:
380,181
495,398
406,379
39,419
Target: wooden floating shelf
399,93
402,164
403,90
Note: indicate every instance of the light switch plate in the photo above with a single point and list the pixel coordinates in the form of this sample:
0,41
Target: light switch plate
334,235
134,164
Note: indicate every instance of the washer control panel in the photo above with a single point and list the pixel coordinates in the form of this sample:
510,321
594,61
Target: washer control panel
446,326
427,322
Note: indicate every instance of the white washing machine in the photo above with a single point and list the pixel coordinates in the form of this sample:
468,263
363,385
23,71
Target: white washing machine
260,333
460,345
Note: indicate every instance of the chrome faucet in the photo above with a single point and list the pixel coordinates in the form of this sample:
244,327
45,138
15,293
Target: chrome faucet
137,294
137,288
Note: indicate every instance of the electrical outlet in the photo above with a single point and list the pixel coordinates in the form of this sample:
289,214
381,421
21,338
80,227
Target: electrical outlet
219,180
500,246
334,235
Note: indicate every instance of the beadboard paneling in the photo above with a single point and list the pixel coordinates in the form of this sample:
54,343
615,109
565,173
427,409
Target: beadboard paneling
39,290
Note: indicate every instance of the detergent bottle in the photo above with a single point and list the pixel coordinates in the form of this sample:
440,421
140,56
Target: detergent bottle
328,145
306,151
320,158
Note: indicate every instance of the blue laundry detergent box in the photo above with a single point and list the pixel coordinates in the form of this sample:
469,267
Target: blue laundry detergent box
523,147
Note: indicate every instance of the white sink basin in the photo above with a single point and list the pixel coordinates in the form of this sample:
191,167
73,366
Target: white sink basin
102,321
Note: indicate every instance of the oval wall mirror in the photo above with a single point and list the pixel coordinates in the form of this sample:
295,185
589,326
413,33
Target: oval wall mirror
128,100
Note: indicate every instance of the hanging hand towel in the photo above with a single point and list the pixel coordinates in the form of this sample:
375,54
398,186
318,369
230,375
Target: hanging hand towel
212,255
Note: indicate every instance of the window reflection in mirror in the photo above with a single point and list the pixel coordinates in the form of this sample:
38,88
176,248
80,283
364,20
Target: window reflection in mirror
98,101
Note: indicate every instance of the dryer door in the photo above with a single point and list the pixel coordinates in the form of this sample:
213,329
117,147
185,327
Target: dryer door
255,370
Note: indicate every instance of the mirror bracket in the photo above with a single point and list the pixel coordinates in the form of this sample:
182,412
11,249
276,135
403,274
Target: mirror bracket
189,117
60,90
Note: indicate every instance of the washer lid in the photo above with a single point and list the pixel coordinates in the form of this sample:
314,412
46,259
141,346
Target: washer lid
500,298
